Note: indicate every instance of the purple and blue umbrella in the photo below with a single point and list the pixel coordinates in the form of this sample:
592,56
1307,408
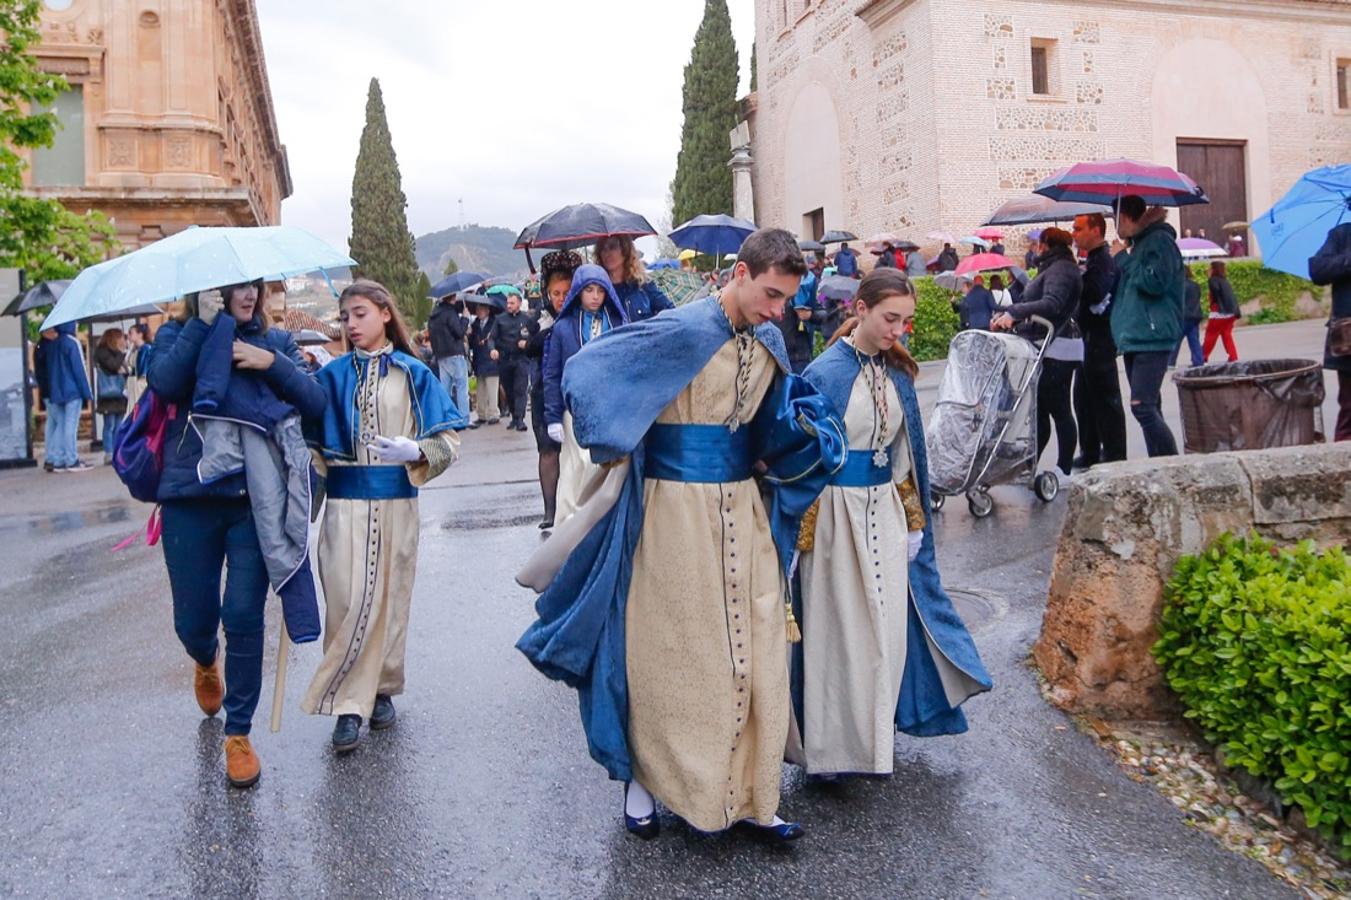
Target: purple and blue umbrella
1199,248
713,234
1296,227
1107,180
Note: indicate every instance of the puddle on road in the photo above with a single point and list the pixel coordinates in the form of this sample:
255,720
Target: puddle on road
71,520
977,608
478,519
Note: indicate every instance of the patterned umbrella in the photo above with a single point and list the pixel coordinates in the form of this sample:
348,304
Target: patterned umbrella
681,287
1106,180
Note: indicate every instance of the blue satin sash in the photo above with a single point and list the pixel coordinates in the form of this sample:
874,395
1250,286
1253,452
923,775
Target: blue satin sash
369,483
860,471
708,454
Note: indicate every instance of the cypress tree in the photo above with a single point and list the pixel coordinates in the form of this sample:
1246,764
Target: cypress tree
381,242
703,182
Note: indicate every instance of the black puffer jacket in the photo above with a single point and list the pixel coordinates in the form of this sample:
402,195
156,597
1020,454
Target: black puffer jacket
1332,265
1053,295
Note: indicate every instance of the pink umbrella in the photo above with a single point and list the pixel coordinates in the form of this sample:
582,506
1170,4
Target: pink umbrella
984,262
1196,248
989,233
876,241
943,237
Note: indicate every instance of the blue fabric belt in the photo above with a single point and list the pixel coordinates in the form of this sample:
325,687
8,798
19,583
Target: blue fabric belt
707,454
860,471
370,483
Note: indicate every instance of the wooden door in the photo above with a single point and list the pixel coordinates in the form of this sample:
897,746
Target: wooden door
1220,168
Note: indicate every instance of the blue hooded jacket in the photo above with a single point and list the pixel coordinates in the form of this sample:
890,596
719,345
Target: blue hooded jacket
66,378
642,301
566,337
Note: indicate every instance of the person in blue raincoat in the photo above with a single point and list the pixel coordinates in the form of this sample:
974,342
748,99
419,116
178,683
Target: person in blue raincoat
882,646
639,297
592,308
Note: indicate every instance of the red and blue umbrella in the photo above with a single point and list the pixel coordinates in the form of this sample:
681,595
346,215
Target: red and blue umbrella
1107,180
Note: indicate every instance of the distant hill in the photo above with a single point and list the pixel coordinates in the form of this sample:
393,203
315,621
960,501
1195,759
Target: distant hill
475,248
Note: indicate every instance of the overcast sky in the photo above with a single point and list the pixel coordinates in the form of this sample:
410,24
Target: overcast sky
516,106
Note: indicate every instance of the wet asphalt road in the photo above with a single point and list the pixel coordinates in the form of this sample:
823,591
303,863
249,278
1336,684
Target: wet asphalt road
112,782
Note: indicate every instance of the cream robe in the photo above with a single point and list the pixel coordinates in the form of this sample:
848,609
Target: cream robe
854,605
367,557
705,629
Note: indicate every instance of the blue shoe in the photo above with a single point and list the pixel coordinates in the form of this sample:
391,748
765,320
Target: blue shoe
647,827
383,715
783,833
347,733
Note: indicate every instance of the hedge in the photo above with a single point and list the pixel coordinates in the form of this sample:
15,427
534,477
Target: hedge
1257,644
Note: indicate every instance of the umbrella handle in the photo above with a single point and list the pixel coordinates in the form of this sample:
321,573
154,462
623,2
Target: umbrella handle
529,261
279,689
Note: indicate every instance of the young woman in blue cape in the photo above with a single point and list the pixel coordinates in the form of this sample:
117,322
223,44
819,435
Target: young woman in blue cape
664,596
592,308
883,648
388,430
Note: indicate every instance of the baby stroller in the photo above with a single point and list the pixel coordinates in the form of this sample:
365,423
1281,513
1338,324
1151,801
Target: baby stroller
983,430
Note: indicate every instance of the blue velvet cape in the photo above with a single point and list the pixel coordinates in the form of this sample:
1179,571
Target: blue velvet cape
923,709
579,636
336,435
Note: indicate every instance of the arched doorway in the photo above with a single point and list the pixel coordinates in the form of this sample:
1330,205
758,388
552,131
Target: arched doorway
813,179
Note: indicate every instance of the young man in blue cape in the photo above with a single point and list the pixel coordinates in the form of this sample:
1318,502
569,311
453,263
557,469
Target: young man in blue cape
664,595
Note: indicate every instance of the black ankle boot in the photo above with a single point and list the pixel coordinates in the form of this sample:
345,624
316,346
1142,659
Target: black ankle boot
382,716
347,733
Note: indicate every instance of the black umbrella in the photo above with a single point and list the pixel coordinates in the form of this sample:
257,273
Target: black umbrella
811,246
453,284
44,293
307,336
493,300
838,237
581,225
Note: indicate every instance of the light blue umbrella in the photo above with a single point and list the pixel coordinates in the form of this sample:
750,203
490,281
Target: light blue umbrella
1297,226
196,259
713,234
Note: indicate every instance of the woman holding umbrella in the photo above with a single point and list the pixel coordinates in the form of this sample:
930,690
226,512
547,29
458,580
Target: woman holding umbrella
209,528
555,278
640,298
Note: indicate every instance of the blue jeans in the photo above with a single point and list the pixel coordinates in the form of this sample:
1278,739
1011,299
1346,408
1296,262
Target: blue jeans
111,422
200,538
454,374
63,425
1192,332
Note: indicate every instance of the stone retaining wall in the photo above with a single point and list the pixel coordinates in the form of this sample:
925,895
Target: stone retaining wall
1127,525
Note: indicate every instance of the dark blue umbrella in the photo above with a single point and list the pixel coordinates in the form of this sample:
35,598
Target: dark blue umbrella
713,234
665,264
453,284
836,236
44,293
581,225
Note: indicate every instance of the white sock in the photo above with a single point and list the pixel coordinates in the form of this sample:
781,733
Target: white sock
777,821
638,803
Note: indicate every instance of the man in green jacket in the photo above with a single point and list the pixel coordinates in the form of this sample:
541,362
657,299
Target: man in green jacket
1147,313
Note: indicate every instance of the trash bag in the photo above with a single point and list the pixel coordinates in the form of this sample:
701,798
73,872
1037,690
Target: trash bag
1251,405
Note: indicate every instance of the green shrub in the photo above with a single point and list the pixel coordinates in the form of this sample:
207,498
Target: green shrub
1257,644
1251,280
935,321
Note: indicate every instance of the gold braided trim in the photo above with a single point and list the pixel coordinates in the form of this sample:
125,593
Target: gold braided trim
806,534
914,507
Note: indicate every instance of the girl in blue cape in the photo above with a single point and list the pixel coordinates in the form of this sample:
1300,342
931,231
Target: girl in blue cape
664,595
883,648
592,308
388,430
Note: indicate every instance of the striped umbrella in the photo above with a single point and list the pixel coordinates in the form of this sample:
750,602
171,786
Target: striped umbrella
1106,180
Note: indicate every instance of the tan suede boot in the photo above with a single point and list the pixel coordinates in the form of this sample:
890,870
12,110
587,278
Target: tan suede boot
209,687
241,763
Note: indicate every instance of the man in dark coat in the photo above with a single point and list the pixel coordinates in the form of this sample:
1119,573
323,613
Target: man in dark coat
948,259
511,334
977,309
846,261
1332,265
1097,389
446,327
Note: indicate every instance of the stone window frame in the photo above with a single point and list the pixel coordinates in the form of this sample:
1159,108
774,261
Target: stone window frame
1055,68
1338,58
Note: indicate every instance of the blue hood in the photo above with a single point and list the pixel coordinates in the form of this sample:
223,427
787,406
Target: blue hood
66,378
593,274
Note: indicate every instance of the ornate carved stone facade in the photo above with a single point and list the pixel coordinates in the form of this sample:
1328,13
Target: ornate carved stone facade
171,111
921,114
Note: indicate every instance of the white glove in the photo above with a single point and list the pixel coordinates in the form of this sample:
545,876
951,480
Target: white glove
916,540
209,305
556,433
395,450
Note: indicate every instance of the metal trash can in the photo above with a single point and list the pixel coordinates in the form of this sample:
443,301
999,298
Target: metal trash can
1251,405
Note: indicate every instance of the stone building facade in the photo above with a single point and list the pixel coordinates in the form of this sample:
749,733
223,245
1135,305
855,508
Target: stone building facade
911,115
169,120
